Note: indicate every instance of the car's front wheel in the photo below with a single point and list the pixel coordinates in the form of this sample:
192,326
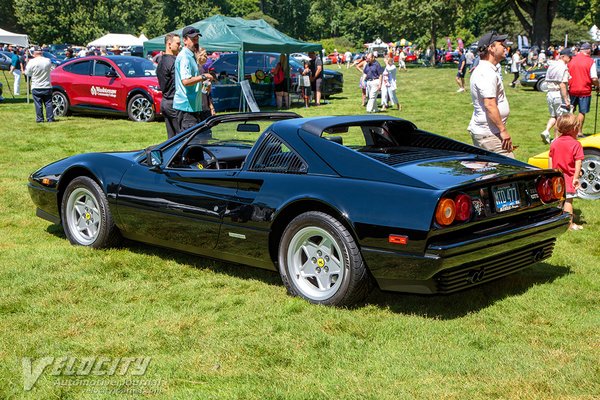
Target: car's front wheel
140,109
60,104
589,182
320,261
86,218
542,85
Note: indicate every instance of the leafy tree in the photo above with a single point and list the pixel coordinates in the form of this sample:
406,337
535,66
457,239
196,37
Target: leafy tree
9,19
536,16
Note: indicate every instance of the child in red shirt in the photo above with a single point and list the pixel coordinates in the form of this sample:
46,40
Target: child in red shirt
566,154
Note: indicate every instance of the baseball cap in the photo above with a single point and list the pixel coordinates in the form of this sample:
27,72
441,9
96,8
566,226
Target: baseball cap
190,31
586,46
489,38
36,48
566,52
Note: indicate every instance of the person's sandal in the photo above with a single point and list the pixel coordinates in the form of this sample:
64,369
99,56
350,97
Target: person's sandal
575,227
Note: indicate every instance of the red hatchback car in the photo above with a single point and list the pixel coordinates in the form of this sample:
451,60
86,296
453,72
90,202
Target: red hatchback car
111,84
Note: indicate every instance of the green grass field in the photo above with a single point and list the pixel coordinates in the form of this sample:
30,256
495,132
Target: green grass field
222,331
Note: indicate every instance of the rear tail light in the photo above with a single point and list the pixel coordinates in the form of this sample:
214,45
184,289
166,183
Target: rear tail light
550,189
458,209
463,205
445,212
558,187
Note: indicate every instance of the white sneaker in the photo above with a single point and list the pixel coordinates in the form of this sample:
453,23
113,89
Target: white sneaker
545,135
460,90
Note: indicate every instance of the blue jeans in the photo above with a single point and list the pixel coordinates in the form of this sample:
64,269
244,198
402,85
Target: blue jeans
43,96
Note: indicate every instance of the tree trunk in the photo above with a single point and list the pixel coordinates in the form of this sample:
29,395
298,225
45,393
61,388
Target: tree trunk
433,41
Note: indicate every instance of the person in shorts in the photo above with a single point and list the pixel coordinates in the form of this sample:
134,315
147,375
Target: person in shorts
566,154
316,66
583,75
557,97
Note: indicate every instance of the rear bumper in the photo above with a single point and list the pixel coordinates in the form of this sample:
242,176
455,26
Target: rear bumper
449,267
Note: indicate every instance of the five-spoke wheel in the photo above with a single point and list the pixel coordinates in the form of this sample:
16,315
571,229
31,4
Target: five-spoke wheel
589,182
86,218
319,260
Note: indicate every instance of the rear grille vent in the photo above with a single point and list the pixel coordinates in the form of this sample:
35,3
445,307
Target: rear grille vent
409,154
492,268
273,155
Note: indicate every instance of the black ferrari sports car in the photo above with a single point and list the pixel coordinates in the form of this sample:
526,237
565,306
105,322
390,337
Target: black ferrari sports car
335,204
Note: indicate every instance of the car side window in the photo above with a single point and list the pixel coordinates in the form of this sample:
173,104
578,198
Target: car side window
79,68
101,68
253,62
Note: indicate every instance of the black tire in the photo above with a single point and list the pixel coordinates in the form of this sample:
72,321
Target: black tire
140,109
60,104
86,217
300,272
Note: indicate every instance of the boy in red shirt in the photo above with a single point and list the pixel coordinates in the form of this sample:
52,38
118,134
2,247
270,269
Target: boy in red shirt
566,154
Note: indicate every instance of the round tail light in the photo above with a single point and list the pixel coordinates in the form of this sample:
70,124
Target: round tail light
463,205
445,212
558,187
544,189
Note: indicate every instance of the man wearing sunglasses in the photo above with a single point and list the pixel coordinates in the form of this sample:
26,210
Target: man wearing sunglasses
491,110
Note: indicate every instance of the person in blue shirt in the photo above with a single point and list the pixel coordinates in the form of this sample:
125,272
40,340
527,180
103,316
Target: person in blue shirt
373,77
188,82
16,67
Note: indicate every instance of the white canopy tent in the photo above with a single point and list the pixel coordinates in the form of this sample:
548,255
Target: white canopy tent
13,38
117,39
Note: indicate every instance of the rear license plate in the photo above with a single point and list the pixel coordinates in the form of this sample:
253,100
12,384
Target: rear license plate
506,197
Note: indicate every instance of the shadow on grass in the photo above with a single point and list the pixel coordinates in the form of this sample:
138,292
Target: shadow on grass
444,307
467,301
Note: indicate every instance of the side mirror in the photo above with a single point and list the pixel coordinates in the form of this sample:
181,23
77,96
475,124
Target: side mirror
111,73
154,159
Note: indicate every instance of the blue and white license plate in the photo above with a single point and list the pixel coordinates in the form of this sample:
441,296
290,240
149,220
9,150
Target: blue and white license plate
506,197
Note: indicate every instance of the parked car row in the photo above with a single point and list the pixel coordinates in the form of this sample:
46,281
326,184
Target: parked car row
128,85
537,78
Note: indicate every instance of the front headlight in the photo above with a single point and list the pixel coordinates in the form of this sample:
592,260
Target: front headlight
154,88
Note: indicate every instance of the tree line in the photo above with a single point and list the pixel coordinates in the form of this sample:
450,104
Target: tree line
341,23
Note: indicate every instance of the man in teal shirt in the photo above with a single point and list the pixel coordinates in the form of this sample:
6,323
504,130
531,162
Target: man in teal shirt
188,82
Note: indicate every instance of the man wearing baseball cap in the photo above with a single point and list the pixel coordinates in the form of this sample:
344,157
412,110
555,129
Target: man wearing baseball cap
557,97
491,110
583,73
187,100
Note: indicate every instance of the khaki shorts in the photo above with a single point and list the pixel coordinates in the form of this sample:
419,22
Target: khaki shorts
554,101
491,142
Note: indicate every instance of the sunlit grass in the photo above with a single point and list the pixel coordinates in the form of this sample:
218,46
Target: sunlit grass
217,330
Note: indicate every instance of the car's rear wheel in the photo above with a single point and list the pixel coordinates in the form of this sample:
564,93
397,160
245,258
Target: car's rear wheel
320,261
86,218
60,103
140,109
590,176
541,85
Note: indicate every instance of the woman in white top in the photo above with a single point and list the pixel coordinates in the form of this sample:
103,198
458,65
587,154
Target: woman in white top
388,88
515,66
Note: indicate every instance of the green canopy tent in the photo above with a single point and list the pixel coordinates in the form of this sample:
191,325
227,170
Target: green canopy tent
221,33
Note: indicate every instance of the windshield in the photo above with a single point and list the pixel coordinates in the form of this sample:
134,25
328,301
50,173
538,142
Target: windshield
135,67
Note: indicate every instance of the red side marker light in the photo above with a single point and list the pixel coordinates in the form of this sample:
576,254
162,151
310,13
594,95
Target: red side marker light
398,239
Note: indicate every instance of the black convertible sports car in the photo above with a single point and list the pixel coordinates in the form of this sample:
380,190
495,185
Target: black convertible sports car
335,204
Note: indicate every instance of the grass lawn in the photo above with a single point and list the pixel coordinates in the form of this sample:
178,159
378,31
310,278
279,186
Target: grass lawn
222,331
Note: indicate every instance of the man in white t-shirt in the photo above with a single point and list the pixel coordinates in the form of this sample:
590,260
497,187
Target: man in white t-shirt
38,69
348,56
491,110
559,102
